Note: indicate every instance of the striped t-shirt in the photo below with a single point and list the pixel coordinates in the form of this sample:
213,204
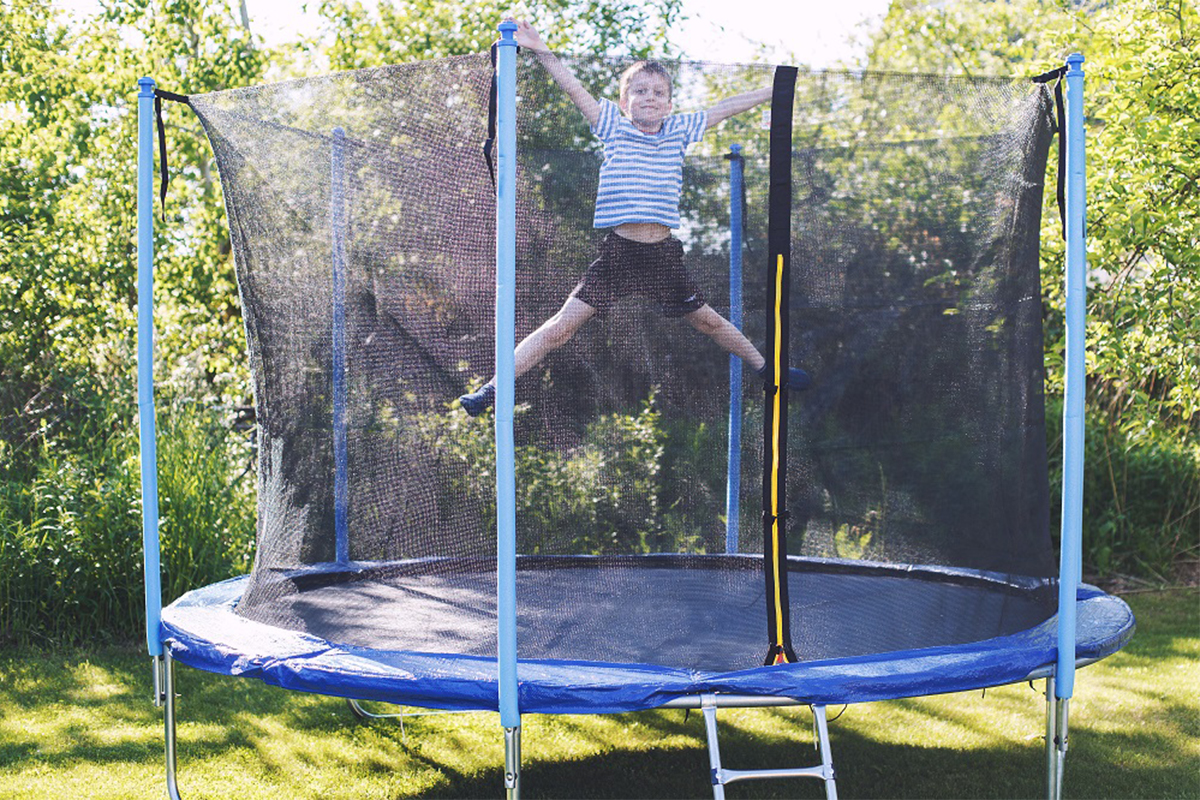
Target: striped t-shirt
642,174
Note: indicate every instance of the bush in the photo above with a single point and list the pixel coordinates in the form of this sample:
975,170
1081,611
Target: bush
70,523
1141,495
617,492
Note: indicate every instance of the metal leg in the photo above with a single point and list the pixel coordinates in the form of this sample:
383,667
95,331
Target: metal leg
512,763
708,705
1060,745
721,776
1051,743
166,698
826,753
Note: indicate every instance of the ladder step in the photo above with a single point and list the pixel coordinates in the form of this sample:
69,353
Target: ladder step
725,776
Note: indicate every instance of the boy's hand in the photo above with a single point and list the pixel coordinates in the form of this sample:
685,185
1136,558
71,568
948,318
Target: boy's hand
527,37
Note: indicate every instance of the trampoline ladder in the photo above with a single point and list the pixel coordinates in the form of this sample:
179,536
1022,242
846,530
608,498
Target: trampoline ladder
721,776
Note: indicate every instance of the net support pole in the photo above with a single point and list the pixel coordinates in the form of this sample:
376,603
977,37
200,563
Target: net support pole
1071,555
506,518
733,482
145,365
337,219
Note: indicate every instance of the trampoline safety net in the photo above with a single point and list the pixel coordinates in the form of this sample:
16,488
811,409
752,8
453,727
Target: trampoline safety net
362,216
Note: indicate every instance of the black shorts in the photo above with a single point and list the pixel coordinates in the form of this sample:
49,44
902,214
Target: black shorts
654,271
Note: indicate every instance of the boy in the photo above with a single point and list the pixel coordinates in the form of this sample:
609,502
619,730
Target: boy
641,178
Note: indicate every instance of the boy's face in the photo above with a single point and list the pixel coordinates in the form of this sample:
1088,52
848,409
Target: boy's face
647,100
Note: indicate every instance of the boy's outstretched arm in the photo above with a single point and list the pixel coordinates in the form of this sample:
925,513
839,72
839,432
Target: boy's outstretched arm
527,37
732,106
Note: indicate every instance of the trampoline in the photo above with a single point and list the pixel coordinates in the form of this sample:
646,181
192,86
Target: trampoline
587,547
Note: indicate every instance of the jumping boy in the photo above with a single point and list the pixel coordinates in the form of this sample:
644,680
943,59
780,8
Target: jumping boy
641,178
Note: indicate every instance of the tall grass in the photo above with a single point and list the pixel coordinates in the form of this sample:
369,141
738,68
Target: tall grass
70,522
1141,495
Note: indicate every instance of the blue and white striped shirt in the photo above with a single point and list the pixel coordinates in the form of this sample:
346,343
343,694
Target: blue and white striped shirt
641,177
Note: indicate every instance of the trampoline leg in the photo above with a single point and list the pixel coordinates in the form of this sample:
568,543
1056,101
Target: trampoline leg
1062,705
165,696
826,753
1051,736
721,776
708,704
512,763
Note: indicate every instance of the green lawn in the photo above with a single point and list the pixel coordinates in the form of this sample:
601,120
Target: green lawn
79,723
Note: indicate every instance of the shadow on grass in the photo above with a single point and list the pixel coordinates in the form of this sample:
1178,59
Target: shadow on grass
1135,736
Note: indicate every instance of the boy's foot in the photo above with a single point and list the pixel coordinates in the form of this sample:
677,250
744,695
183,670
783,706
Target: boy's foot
797,379
479,400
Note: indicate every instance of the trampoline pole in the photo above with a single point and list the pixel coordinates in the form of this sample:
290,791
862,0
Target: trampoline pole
1071,558
506,515
338,250
708,706
1051,742
1062,705
145,365
1071,561
733,481
512,763
168,699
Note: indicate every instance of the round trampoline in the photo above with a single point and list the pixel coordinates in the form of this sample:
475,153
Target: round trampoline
655,629
608,540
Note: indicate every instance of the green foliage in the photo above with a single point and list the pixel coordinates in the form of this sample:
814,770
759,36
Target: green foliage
69,484
70,523
1142,101
1144,213
408,30
610,494
1141,490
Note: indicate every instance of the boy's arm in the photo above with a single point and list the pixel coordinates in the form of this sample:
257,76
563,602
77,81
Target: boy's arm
528,38
732,106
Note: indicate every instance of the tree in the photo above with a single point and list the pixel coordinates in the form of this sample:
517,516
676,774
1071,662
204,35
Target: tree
1142,103
407,30
1142,106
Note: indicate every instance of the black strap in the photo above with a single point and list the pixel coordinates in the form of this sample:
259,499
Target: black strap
490,144
491,125
1060,127
779,245
159,96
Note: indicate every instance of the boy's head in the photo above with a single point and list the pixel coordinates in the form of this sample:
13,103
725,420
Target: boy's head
646,93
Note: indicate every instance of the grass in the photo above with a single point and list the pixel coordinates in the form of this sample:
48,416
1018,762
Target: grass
77,722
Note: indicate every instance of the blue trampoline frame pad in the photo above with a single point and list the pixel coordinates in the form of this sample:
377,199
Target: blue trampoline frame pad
203,630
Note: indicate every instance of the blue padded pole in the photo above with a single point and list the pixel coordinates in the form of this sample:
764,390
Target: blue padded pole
145,362
338,248
733,482
1070,564
506,270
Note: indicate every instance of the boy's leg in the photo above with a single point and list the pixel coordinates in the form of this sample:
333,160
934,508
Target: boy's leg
553,333
725,334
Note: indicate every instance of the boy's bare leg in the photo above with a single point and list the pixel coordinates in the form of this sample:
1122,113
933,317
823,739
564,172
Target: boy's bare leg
723,332
728,337
553,334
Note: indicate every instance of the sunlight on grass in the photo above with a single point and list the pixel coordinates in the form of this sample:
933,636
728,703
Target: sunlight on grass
81,724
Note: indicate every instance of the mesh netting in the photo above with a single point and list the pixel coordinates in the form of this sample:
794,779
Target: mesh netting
362,219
